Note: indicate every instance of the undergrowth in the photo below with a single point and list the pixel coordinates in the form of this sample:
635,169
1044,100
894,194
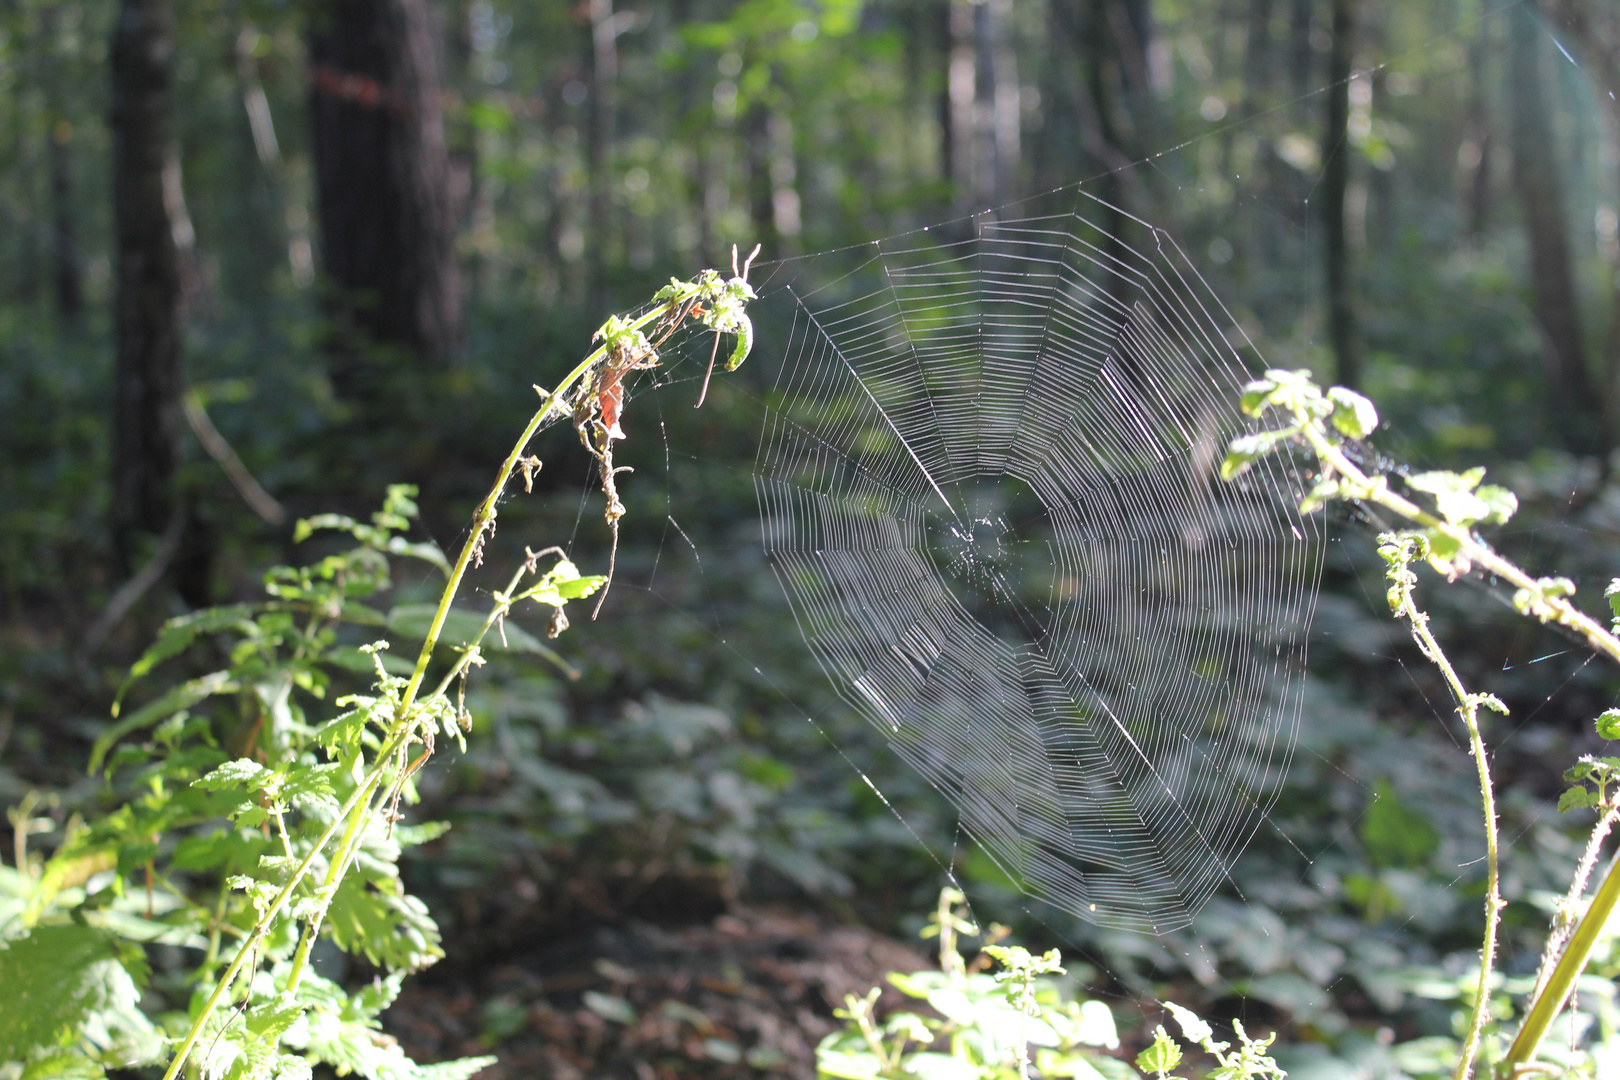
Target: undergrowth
253,812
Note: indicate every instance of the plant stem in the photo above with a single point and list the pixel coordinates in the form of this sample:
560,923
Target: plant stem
486,509
1468,706
1564,613
1550,1002
360,797
357,809
1550,999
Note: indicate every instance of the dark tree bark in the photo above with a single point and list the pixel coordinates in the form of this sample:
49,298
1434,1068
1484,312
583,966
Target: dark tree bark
66,274
147,377
1301,53
600,138
1579,411
383,189
1595,27
1344,331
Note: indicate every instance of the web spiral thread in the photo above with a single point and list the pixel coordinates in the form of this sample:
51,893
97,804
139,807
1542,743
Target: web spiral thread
987,484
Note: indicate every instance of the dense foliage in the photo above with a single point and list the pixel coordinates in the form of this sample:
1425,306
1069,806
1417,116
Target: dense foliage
669,780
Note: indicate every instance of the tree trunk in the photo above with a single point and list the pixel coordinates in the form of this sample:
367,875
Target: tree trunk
66,275
600,139
1578,408
1596,30
383,189
147,378
1344,332
1301,58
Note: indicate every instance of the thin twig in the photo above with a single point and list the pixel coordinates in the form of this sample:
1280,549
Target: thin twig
130,592
260,501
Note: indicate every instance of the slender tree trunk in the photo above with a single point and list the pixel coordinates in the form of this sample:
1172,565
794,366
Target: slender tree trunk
961,88
1005,104
66,275
1595,28
147,376
600,141
1344,332
383,188
1474,156
1578,408
1301,57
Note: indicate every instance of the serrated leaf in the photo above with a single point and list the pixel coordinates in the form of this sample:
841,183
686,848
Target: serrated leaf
62,1065
1161,1056
171,702
378,920
1353,414
242,773
460,1069
176,637
1576,798
56,979
1608,724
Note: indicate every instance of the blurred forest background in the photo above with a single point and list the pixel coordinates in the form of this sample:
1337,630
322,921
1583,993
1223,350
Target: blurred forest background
261,258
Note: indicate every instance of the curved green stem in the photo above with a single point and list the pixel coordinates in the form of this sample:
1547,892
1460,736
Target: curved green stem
1564,613
360,796
357,809
1468,707
486,509
1550,1002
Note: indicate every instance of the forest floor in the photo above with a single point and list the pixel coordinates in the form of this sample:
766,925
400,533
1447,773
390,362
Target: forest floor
751,991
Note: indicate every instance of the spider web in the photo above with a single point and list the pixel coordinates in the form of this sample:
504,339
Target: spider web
987,486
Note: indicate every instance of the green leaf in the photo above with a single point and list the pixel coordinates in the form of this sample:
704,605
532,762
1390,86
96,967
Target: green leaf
1576,798
1500,503
1160,1057
1608,724
1319,495
57,980
1453,494
1194,1027
745,343
62,1065
848,1065
178,634
931,1066
460,1069
1353,415
241,773
373,916
173,701
1245,450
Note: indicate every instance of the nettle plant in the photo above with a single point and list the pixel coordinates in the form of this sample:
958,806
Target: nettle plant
1444,511
984,1025
256,808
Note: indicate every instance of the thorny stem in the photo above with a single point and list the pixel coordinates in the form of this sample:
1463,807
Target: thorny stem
361,796
1561,611
1550,998
1564,919
1550,1002
1468,706
358,808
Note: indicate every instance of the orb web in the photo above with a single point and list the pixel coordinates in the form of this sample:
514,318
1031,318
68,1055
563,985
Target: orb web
988,487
